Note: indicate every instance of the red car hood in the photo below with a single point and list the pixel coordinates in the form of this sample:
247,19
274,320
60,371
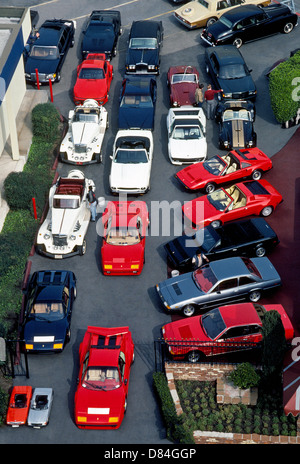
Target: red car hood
185,329
92,88
194,176
184,93
99,404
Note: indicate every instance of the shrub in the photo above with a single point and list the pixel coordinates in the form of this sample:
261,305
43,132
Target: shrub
274,346
3,405
45,121
244,376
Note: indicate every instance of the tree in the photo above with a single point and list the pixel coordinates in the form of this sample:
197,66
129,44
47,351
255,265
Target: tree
274,346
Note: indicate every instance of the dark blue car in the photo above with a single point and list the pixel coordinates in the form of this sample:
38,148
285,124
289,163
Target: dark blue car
137,102
48,305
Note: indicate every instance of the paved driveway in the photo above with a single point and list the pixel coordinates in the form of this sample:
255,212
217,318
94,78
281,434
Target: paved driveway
114,301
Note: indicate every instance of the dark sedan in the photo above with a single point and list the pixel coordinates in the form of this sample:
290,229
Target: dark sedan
137,102
250,22
236,129
218,283
251,237
102,33
229,72
143,53
48,305
46,53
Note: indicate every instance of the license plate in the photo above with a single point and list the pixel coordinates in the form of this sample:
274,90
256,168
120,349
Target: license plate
58,256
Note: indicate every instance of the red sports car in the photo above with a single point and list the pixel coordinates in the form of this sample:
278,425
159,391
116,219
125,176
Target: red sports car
235,165
105,357
252,197
94,76
18,407
182,82
125,226
222,330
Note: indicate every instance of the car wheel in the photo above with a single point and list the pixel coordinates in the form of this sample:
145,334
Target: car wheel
266,211
256,175
210,187
211,21
254,296
207,69
188,310
237,42
58,77
195,356
216,224
287,28
68,335
125,406
260,252
114,52
74,293
82,248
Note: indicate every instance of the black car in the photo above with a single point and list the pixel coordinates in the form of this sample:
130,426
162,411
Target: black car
137,102
48,304
251,237
143,54
47,51
235,119
230,73
102,33
250,22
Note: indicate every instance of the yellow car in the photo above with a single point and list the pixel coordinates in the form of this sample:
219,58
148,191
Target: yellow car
200,13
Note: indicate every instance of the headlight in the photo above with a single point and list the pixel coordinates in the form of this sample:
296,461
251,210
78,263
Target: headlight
50,76
151,66
27,75
250,144
226,143
227,95
175,103
131,66
46,236
72,237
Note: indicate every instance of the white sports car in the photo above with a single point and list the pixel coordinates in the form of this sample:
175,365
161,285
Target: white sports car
186,132
83,141
62,233
131,162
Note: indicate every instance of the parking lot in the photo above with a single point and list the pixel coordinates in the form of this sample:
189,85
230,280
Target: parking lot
116,301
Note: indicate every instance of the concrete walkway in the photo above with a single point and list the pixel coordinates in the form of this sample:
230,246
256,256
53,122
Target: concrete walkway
24,128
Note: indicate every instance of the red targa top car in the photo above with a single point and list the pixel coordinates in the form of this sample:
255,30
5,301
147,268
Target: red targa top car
105,357
218,170
252,197
94,76
18,407
182,82
238,326
125,226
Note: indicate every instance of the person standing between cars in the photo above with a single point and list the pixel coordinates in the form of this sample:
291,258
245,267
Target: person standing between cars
92,199
209,97
198,259
199,96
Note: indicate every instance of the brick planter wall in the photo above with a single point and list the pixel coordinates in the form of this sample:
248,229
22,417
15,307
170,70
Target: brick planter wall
211,372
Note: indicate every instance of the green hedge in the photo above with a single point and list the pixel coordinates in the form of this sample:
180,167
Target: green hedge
45,121
284,85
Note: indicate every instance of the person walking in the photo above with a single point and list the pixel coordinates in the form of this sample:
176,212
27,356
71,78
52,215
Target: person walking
209,97
199,96
198,259
92,199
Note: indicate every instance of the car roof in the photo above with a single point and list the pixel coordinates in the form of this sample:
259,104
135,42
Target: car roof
229,267
242,12
240,314
144,28
50,32
228,53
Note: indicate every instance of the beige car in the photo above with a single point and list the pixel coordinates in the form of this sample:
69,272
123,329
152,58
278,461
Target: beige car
200,13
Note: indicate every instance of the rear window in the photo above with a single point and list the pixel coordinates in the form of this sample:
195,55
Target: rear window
256,188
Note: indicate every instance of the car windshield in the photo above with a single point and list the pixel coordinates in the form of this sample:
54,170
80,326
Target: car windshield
137,101
150,43
101,378
123,236
66,203
204,278
131,156
230,115
91,73
85,117
215,165
219,199
186,133
47,310
212,323
44,53
232,71
177,78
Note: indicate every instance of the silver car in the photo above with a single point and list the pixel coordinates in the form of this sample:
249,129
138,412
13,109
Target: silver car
40,407
219,282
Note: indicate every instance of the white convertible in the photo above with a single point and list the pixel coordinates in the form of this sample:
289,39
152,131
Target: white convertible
131,162
186,132
62,234
83,141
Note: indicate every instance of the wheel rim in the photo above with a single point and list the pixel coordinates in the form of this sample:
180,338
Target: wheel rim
256,175
288,28
210,188
267,211
216,224
254,296
210,22
193,356
84,247
238,43
260,252
188,310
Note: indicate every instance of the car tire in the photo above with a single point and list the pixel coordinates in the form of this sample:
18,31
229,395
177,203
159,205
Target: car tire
267,211
260,251
207,69
125,406
58,77
216,224
287,28
210,187
195,356
256,175
82,248
211,21
254,296
188,310
68,335
238,42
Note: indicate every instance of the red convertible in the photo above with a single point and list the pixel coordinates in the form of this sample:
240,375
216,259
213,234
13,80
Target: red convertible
125,226
105,357
252,197
182,82
222,330
219,170
94,76
18,407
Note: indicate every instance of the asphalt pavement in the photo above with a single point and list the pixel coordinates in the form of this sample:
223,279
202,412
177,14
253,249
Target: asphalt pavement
115,301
